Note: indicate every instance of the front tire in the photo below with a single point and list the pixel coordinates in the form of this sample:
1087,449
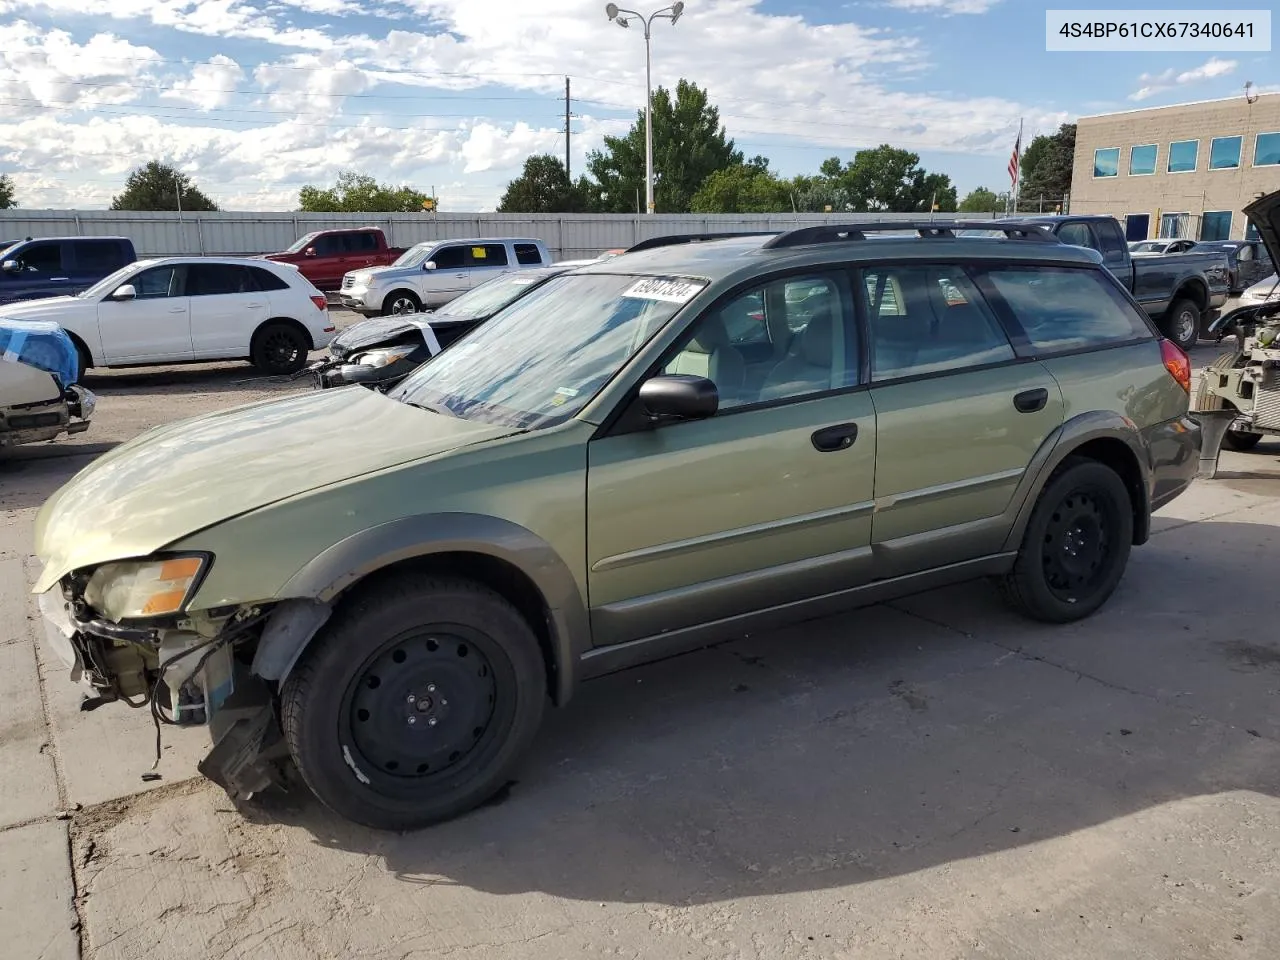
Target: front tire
1182,323
415,702
401,302
279,349
1076,545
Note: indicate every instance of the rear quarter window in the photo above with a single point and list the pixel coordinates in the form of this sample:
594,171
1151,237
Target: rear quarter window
528,254
1060,308
266,280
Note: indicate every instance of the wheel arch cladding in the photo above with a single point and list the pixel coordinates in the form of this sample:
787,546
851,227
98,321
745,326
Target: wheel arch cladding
1193,290
500,554
1103,436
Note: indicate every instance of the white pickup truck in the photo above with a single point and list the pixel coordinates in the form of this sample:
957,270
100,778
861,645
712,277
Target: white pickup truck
430,274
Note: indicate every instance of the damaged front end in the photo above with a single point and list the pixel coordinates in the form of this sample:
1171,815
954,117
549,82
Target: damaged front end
188,668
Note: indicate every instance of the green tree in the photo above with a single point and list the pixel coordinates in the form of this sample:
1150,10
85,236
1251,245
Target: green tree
156,187
815,194
544,187
7,191
744,188
1046,169
360,193
982,200
888,179
689,144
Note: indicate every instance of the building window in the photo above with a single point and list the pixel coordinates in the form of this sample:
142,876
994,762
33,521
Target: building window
1142,160
1224,153
1216,225
1182,155
1266,152
1106,162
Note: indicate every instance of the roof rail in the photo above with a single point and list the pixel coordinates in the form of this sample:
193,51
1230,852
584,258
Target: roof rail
675,238
842,232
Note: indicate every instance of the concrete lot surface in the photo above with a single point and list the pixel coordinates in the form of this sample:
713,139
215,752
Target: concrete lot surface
934,778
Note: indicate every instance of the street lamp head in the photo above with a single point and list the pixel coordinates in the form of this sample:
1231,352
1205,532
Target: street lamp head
611,11
676,9
622,22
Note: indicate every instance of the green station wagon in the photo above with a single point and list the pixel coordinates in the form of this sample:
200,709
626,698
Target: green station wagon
675,446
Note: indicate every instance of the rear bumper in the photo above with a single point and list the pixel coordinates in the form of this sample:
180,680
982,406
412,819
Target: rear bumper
1175,448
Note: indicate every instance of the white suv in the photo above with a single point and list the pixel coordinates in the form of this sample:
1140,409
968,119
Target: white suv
430,274
187,309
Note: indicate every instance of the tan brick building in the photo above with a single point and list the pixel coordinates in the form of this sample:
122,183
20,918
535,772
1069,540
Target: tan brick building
1179,171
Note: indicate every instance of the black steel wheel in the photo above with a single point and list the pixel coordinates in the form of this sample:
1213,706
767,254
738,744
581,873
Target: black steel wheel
279,348
415,702
1076,544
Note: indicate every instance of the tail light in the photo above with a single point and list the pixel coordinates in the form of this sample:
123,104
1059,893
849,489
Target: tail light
320,300
1177,363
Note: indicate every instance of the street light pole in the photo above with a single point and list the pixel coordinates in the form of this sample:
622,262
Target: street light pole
623,18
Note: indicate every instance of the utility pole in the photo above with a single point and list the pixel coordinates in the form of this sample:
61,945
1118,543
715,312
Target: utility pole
566,130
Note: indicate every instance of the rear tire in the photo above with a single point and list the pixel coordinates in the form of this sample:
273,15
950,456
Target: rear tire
400,302
279,348
1241,440
1076,545
1182,323
415,702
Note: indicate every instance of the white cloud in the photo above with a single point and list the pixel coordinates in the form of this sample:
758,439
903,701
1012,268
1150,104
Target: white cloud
1168,79
945,6
311,85
42,71
210,86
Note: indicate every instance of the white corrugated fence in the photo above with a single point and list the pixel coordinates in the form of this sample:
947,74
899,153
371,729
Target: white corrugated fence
569,236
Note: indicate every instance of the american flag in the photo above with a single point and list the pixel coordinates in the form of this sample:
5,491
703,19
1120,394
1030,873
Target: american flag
1013,160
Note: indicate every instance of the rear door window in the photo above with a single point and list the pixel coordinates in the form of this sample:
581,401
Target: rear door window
361,242
929,318
528,254
488,254
1060,308
99,256
217,279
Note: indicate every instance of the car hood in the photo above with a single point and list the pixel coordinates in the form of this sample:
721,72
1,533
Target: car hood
1265,214
179,478
44,308
368,274
386,330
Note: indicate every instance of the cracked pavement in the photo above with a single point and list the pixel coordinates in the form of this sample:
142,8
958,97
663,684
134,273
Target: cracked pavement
931,778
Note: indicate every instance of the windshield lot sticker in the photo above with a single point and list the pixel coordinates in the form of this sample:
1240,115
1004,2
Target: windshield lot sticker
563,396
668,291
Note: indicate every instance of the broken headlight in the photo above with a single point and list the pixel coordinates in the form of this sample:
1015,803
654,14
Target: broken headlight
131,589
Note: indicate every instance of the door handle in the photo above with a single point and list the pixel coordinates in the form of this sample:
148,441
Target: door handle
831,439
59,279
1031,401
177,309
461,276
250,306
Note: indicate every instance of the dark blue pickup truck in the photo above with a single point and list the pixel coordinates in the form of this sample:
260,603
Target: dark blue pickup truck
56,266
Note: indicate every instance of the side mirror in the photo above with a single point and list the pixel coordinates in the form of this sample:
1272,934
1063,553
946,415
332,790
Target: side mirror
10,266
429,265
309,252
124,292
679,396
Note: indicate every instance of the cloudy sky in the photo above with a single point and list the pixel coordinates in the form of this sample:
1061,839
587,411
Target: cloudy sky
254,98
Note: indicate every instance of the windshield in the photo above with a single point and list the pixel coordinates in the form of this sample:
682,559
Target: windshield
540,361
302,242
415,255
108,283
491,296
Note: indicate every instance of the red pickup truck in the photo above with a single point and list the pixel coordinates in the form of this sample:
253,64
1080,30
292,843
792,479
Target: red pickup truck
325,255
